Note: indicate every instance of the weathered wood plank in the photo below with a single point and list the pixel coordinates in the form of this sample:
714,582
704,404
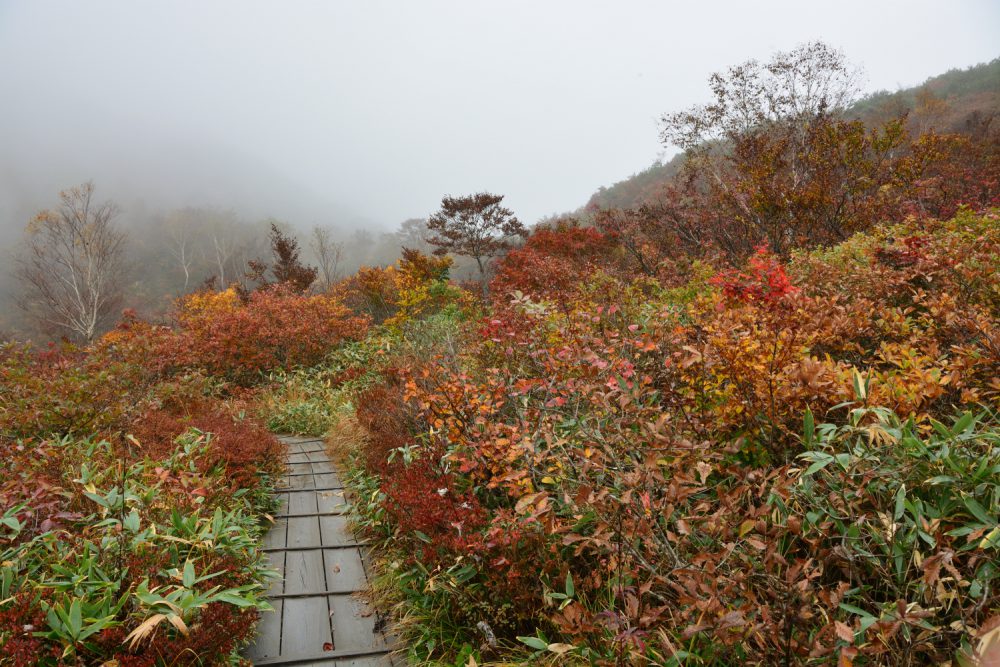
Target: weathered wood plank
305,626
331,501
300,482
335,531
304,531
354,624
304,572
344,571
268,641
325,658
302,503
276,561
328,479
276,537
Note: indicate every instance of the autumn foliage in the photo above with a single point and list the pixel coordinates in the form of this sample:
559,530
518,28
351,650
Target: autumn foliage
759,465
751,419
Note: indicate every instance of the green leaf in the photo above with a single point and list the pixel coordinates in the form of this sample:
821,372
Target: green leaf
855,610
100,500
570,589
131,522
900,503
534,642
992,539
236,600
860,386
817,466
979,512
188,578
808,427
75,617
941,479
963,423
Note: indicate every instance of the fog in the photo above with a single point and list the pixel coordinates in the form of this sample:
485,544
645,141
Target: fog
359,115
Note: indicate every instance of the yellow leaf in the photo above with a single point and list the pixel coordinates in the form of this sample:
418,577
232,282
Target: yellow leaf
145,629
178,623
559,648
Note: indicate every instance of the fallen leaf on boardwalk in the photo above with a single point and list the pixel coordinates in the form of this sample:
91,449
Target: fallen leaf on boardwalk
327,646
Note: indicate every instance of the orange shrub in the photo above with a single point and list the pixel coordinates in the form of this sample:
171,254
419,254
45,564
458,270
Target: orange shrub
277,328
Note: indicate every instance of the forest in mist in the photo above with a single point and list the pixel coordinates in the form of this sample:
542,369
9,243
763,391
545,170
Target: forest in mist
174,251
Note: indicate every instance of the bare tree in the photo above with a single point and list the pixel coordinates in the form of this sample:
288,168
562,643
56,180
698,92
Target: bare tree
181,244
476,226
225,247
791,89
73,265
329,254
772,159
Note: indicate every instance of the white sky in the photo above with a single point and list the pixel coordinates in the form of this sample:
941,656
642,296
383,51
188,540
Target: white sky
337,111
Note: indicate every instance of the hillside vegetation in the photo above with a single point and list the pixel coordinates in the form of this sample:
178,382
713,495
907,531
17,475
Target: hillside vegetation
756,421
965,102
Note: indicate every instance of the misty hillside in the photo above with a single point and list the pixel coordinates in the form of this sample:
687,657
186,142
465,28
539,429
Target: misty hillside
960,100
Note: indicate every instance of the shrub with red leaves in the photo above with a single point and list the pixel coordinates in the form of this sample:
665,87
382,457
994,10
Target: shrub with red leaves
381,412
243,446
422,499
20,618
765,280
552,262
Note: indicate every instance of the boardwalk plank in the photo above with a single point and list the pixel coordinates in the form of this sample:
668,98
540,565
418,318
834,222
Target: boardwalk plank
276,561
300,481
306,626
268,642
344,571
304,531
302,503
354,624
304,572
335,531
276,537
327,479
330,501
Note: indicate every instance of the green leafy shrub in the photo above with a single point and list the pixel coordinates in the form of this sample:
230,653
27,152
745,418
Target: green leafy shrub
139,564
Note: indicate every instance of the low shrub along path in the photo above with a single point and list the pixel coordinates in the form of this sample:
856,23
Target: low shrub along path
318,618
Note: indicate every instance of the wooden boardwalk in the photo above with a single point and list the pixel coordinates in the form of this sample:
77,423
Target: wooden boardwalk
317,618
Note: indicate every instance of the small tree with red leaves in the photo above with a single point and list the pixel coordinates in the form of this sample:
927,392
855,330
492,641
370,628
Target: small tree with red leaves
287,269
475,226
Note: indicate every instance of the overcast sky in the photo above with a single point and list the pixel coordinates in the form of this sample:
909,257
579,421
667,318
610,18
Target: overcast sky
340,112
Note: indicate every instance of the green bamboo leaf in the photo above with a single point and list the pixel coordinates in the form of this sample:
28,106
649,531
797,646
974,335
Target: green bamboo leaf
534,642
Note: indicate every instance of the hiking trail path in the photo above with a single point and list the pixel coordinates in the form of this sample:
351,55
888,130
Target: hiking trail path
318,618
